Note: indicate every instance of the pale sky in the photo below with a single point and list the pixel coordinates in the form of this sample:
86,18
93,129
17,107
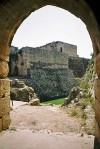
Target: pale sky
50,24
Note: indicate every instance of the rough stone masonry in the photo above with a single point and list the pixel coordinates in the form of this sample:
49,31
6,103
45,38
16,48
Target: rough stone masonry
49,69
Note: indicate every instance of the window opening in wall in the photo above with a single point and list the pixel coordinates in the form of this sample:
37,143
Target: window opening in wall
60,49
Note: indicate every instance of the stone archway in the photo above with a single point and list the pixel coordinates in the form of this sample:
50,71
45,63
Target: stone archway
12,14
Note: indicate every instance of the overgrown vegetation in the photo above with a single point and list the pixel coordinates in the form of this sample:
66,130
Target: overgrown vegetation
83,103
87,81
84,108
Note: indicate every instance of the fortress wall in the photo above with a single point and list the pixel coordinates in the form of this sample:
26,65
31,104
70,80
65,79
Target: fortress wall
49,71
45,56
55,55
69,49
51,83
13,50
27,58
78,65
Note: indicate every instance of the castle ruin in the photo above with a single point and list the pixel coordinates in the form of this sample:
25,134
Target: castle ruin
50,69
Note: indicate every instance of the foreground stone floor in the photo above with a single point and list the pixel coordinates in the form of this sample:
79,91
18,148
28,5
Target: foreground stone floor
26,139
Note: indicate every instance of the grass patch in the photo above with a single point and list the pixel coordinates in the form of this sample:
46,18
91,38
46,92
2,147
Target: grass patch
84,102
77,112
73,112
56,102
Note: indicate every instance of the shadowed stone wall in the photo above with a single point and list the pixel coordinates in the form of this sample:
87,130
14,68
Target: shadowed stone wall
78,65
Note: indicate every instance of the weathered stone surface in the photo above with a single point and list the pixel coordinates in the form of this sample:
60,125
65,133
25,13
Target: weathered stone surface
6,121
0,124
55,55
3,69
51,83
35,102
97,111
97,63
78,65
17,83
97,89
20,92
4,57
4,105
73,96
4,87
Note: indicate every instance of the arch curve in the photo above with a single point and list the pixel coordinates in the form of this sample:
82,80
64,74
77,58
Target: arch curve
16,12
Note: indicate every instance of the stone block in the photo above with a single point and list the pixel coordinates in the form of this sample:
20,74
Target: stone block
4,105
0,124
4,87
4,56
97,63
6,121
3,69
97,131
35,102
97,89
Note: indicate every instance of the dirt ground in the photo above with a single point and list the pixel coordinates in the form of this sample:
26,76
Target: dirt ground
42,127
44,117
